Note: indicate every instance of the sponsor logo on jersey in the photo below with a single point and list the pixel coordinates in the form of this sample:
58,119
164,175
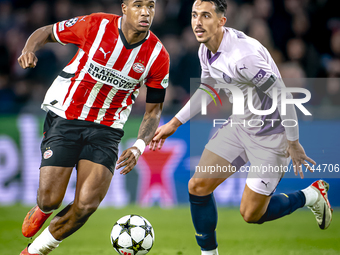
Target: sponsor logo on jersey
110,77
48,154
227,78
258,77
165,81
138,67
71,22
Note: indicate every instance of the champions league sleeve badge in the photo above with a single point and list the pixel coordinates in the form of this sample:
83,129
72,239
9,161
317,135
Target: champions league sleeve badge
71,22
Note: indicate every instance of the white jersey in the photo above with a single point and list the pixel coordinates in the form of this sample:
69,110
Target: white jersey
243,62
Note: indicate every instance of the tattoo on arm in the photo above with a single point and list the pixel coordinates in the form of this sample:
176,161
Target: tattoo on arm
150,122
148,128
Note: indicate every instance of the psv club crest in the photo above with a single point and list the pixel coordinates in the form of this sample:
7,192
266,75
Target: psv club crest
138,67
48,154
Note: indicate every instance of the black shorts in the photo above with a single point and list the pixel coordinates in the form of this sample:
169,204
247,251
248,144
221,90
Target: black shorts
66,142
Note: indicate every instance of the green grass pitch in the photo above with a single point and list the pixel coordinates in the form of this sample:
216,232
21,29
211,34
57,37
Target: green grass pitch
296,234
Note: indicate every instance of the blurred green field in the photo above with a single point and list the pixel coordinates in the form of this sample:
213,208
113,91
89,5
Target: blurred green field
293,235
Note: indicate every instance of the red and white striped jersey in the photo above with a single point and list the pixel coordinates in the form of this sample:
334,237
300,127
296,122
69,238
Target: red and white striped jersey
101,82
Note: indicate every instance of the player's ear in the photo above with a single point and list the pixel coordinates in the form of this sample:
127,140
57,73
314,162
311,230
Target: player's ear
223,20
124,6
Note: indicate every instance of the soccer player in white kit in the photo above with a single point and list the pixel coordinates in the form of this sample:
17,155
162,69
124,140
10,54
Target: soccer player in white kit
238,60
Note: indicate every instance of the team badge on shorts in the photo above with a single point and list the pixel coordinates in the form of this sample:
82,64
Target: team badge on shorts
71,22
48,154
138,67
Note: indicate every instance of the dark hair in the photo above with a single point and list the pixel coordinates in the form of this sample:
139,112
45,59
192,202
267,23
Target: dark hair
123,1
221,5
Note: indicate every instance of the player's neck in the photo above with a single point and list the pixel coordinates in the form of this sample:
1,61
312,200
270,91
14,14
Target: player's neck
131,35
214,43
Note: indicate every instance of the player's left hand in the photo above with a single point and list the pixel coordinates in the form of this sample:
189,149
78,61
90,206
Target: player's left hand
128,159
299,157
163,133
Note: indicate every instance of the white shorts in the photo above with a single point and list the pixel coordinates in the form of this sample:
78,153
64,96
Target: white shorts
265,153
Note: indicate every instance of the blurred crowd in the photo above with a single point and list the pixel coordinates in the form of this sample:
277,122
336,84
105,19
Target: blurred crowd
303,36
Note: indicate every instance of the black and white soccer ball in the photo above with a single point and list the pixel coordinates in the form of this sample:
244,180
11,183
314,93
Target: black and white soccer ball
132,235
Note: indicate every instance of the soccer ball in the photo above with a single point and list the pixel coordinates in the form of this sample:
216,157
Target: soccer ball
132,235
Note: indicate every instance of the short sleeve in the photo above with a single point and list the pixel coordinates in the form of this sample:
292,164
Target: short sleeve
254,69
73,31
158,77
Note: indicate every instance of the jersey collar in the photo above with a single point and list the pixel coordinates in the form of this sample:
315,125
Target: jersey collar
221,48
212,59
126,44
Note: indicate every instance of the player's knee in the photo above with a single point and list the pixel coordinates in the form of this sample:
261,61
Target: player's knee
198,188
45,207
250,216
48,203
85,210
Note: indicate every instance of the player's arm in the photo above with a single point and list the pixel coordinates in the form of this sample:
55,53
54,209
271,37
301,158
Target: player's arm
191,109
35,42
147,129
157,81
260,74
73,31
295,149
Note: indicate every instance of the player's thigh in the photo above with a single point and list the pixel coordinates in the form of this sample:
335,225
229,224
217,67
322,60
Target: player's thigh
60,149
93,182
206,179
224,154
268,163
101,145
62,141
253,205
53,182
267,158
222,157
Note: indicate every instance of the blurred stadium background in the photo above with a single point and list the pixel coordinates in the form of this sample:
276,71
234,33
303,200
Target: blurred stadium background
303,37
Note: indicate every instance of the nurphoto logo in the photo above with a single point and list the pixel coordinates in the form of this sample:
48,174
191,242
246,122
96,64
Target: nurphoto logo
239,103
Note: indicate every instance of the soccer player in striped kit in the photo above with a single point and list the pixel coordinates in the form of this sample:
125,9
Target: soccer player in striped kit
232,58
87,106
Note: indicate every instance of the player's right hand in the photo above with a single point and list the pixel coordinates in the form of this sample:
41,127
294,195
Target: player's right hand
299,158
28,60
161,134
